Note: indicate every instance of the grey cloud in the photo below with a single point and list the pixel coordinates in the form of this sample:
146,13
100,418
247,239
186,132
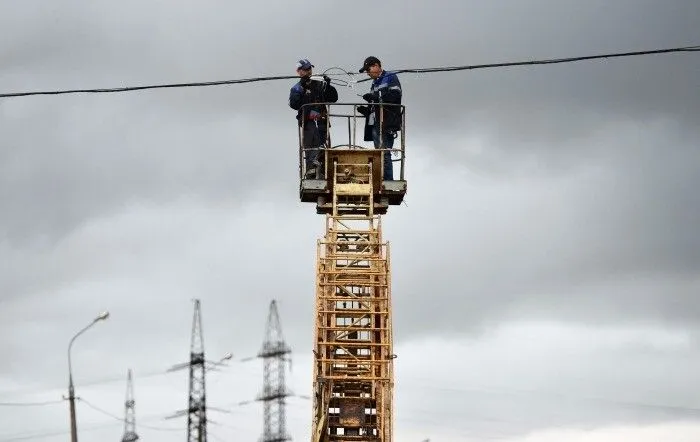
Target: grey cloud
520,377
83,165
560,192
135,160
135,154
611,238
145,266
517,104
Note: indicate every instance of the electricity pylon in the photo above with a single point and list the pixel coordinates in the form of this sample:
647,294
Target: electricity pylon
129,412
274,391
197,409
197,400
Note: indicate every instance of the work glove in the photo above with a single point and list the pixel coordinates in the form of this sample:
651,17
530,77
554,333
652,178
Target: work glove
363,110
327,79
369,97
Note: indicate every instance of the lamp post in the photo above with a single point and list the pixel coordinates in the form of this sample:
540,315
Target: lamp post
71,390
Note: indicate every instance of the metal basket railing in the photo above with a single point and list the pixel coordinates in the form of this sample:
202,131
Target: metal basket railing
351,142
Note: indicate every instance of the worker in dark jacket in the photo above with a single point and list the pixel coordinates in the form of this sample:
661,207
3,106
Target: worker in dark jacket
385,121
312,119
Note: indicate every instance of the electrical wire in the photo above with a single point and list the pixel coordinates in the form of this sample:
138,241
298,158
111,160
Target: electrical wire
137,88
29,404
339,82
114,416
545,61
412,70
100,410
100,381
94,382
44,435
423,414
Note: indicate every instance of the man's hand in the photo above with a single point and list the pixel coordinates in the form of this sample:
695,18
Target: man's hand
327,79
369,97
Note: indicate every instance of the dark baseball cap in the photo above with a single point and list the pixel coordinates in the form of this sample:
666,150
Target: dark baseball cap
369,61
304,63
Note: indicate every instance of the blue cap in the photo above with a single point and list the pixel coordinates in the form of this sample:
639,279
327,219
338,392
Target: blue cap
304,63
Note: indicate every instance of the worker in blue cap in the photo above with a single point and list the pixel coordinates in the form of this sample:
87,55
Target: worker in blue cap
312,119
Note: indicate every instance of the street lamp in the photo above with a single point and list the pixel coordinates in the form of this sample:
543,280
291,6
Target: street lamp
71,390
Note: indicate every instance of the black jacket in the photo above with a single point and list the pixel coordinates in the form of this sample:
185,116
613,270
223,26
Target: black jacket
311,91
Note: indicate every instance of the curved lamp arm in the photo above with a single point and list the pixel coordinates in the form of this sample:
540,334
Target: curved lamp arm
101,317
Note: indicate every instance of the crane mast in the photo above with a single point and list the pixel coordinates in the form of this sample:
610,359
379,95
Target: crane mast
353,374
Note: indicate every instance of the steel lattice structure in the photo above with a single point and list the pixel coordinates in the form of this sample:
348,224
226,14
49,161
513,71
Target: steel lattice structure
275,391
197,404
129,412
353,372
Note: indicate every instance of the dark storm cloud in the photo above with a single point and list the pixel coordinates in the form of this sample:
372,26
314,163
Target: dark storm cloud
113,148
71,158
518,102
90,159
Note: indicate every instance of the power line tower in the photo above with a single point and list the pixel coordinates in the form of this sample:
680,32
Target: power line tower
274,391
353,335
129,412
197,404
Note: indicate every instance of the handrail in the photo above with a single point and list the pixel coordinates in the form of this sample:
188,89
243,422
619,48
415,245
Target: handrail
351,119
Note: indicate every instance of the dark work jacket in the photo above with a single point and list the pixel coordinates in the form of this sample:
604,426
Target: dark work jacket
385,89
315,92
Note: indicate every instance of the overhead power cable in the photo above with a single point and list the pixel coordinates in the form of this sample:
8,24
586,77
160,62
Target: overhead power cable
114,416
155,86
546,61
412,70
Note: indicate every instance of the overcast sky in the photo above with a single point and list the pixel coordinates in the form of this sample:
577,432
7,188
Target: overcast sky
546,264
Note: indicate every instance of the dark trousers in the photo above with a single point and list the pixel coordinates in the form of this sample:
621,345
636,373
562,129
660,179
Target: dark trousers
386,142
314,141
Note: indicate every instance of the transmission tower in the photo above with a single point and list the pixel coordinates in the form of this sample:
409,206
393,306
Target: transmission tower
129,413
196,410
353,344
274,390
197,406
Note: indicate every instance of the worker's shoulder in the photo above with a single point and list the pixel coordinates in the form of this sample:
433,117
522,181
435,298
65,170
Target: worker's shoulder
391,76
387,77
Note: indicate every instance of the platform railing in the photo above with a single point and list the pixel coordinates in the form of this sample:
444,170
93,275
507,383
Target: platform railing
352,120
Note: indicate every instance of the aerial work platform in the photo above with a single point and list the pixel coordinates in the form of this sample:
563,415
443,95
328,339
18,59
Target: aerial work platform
319,188
353,367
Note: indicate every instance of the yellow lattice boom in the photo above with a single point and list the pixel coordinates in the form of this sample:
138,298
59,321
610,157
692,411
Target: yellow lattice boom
353,344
